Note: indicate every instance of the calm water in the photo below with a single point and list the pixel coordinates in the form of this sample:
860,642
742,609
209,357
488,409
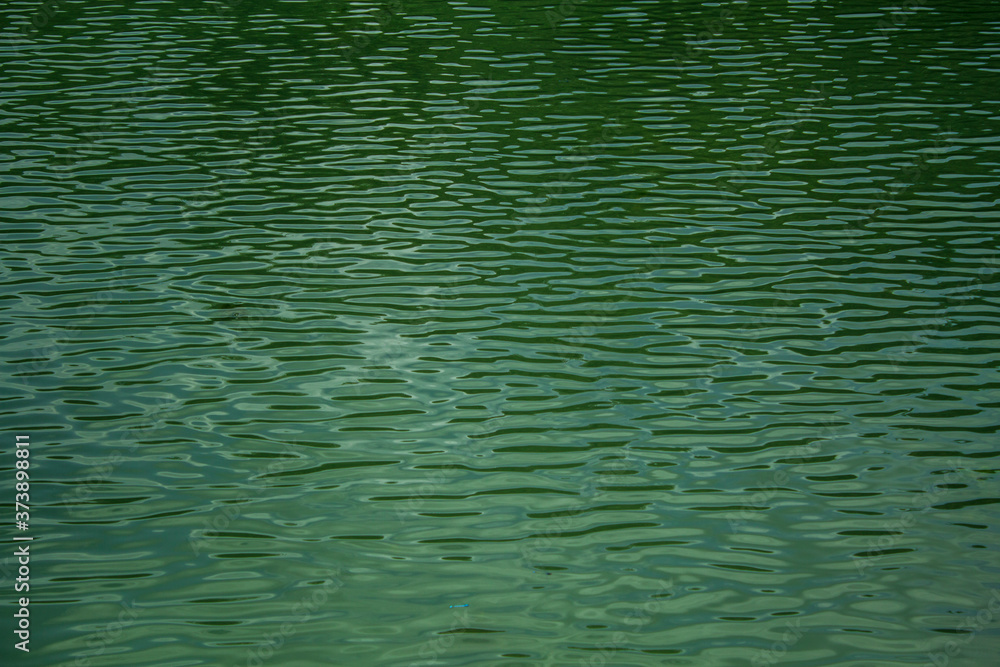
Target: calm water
660,333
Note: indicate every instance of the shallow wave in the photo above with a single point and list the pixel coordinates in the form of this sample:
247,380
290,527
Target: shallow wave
654,334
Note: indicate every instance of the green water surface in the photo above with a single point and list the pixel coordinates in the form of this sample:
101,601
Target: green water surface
411,333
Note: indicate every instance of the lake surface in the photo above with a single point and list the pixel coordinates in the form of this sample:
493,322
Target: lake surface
508,333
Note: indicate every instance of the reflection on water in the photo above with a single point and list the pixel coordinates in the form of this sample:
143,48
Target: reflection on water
660,333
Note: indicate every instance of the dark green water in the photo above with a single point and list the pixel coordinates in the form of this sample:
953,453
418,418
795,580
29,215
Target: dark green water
659,333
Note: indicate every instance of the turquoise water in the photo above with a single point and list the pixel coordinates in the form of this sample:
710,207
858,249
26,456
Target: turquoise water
660,333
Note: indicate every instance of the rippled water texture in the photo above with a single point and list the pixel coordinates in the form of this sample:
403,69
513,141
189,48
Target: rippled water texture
656,333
